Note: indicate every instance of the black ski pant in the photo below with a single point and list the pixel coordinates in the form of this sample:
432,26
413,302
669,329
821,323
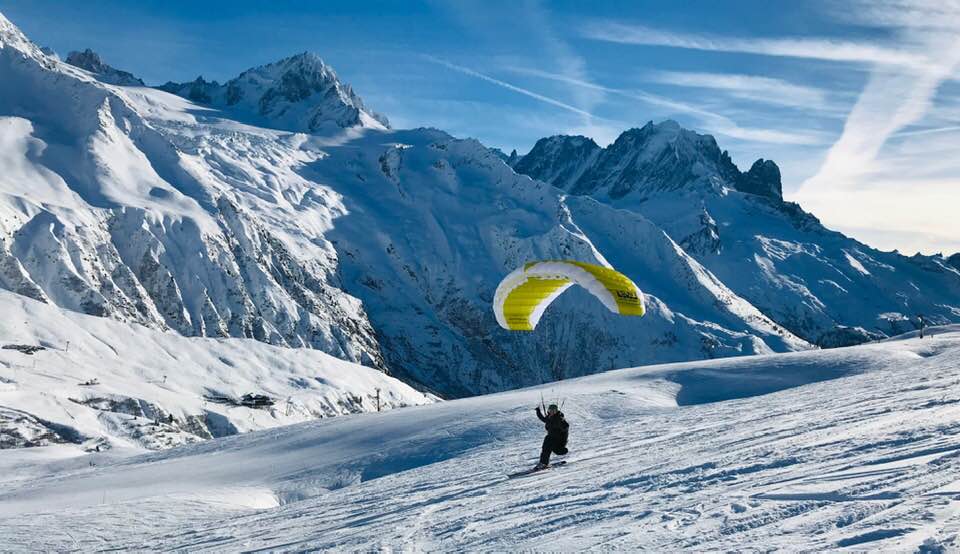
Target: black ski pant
552,444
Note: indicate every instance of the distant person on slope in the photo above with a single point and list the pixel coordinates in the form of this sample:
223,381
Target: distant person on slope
556,440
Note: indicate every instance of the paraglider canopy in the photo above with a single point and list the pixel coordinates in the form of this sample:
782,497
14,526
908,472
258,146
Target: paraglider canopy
525,293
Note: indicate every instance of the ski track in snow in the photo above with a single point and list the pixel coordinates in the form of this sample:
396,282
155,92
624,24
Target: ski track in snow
867,461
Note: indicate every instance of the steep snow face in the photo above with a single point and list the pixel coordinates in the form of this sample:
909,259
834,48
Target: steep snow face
299,93
432,224
559,160
811,451
106,214
98,385
12,37
90,61
817,283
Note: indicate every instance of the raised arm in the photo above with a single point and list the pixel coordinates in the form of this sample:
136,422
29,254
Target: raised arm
540,415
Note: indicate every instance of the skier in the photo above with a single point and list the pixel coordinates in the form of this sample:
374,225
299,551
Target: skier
556,440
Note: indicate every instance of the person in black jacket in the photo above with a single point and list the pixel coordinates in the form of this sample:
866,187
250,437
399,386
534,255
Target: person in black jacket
556,440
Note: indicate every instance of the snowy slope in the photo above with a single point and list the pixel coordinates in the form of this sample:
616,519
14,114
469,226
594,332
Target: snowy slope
821,285
857,449
101,384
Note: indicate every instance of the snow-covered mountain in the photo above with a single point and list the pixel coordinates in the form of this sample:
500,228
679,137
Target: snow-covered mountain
379,247
105,214
384,247
299,93
90,60
813,451
824,287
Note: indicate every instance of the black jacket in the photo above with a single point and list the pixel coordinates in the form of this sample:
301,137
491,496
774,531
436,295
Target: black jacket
555,425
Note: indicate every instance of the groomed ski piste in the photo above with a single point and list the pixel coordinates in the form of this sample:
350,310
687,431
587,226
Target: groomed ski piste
852,448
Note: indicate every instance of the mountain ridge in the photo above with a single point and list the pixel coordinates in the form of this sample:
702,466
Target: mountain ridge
658,155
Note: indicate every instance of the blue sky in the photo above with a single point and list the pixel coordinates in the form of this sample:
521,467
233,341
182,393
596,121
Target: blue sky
858,102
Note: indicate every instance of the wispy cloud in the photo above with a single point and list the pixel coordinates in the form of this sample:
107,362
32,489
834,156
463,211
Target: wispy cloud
711,121
748,87
812,48
561,54
531,22
893,99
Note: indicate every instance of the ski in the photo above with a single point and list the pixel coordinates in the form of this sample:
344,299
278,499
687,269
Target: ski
535,470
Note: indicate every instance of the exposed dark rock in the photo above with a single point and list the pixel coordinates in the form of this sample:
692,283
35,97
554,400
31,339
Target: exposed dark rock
763,179
27,349
842,335
90,61
954,261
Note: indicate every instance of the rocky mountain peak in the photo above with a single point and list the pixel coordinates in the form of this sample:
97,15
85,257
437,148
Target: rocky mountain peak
762,179
90,61
300,93
655,157
653,138
954,261
559,160
561,145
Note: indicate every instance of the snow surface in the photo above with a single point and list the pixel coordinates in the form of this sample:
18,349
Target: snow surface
100,384
854,447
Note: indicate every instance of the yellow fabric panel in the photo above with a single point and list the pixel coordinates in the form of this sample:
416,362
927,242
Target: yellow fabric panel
624,292
522,300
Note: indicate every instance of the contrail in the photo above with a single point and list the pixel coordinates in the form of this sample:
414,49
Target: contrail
508,86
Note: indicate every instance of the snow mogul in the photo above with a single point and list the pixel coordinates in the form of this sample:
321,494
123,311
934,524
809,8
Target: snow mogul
556,440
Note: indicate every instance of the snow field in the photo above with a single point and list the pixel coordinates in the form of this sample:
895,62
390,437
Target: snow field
858,448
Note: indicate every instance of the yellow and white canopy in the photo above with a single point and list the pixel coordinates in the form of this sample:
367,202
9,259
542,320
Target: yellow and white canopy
524,294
